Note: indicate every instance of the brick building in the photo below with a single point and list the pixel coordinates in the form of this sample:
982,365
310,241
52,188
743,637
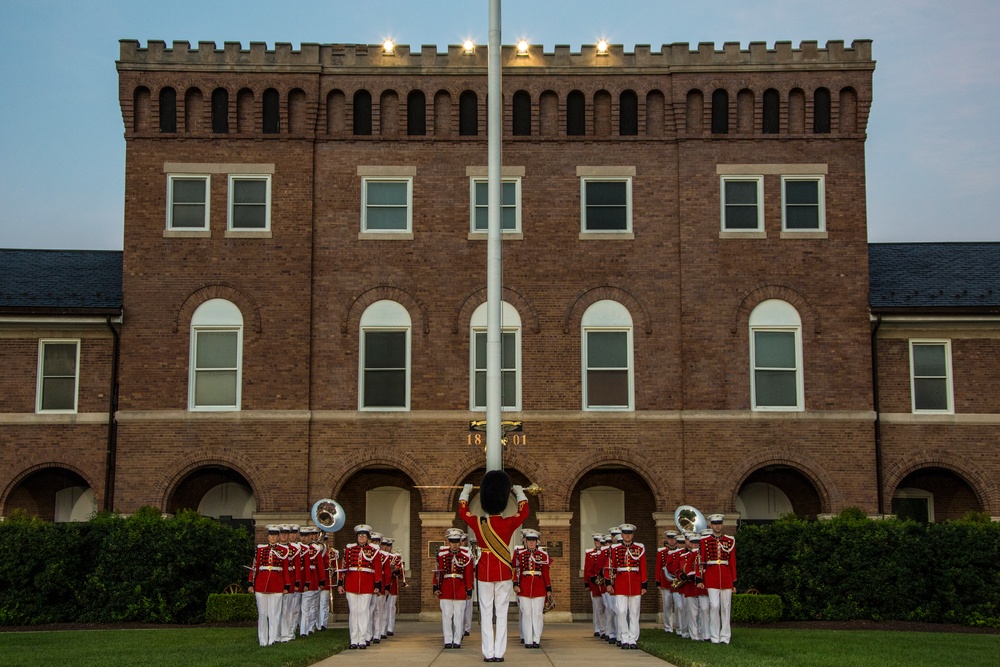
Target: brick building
686,299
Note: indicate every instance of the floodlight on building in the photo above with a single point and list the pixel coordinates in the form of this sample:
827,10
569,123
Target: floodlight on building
522,47
388,47
602,47
469,47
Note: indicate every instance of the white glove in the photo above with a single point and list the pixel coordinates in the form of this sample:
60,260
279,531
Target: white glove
519,493
466,493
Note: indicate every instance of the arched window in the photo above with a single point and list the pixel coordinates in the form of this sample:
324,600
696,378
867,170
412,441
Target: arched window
522,114
216,365
75,503
220,111
510,358
821,111
776,357
772,112
600,507
416,113
607,357
385,357
168,110
271,110
468,114
576,114
388,507
231,499
720,112
628,114
362,113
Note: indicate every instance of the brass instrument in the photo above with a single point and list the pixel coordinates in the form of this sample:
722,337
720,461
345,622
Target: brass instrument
328,515
689,520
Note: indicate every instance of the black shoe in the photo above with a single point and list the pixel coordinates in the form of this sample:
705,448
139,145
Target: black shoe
466,633
634,647
497,659
382,637
362,646
597,634
354,646
376,641
388,633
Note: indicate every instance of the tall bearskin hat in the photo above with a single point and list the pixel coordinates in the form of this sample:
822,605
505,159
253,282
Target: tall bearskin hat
494,491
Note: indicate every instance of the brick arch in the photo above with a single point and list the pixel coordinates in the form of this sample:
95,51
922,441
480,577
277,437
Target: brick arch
352,313
810,316
829,495
592,295
49,465
511,295
165,484
987,490
650,470
388,455
226,291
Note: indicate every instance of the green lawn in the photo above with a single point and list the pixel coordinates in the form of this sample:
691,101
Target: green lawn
755,647
235,647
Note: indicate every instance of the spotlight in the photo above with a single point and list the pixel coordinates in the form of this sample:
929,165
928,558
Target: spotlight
602,47
522,47
469,47
388,47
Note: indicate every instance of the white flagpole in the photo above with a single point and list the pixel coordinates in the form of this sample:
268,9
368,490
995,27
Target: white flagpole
494,268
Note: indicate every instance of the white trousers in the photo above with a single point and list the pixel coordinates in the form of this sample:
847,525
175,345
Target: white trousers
373,603
720,604
680,615
697,608
610,615
360,618
268,618
468,614
323,613
390,614
597,611
288,620
494,595
309,612
627,611
453,620
531,618
667,598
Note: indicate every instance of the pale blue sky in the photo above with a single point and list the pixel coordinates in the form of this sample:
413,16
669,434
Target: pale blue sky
933,141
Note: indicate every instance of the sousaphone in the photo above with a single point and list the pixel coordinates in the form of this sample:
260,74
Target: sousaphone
689,520
328,515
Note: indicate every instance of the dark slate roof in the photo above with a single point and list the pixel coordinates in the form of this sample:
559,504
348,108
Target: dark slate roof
61,281
932,277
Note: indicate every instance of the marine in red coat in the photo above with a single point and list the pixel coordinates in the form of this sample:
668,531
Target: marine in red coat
718,557
627,565
269,579
453,586
360,581
532,585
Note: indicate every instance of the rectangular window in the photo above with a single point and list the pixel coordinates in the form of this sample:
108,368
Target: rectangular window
803,204
187,202
58,375
930,376
508,370
741,204
775,370
384,372
606,204
216,369
385,205
250,203
607,372
510,211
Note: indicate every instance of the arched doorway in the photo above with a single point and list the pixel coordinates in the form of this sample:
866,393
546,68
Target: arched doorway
931,495
218,492
53,494
772,491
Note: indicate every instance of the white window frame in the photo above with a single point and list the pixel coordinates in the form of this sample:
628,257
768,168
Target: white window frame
777,316
231,204
217,315
40,384
365,180
384,315
171,178
759,180
607,316
820,181
584,180
510,324
474,204
946,344
918,494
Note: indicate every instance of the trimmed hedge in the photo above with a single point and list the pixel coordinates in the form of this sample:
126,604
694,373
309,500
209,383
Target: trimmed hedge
755,608
226,608
852,567
143,568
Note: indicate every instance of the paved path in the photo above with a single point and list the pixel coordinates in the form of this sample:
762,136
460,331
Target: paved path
563,645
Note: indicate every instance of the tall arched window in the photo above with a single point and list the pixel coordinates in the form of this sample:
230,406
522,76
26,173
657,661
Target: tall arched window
607,357
220,111
216,356
576,114
510,358
772,112
385,357
821,111
468,114
720,112
522,114
271,110
362,113
388,508
628,113
600,507
416,113
776,357
168,110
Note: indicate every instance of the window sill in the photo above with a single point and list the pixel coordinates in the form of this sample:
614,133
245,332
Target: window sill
743,235
607,236
504,236
385,236
248,234
817,235
187,234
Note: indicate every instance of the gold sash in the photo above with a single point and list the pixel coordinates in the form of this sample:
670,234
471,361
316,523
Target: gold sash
493,542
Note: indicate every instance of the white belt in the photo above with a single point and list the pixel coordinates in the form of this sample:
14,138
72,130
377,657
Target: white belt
273,568
312,567
454,576
361,569
531,574
628,569
717,562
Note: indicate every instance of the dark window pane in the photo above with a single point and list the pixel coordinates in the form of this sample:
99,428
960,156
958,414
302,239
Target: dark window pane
385,349
720,112
249,216
772,111
416,114
58,393
385,389
362,113
386,193
628,122
775,388
930,393
614,193
607,349
802,192
59,359
522,114
741,192
607,219
607,388
821,111
249,192
216,349
168,110
188,215
220,111
481,350
774,349
929,360
576,114
914,509
468,114
271,111
802,217
215,388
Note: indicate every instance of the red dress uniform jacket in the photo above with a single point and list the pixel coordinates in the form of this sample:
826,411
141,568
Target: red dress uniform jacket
395,572
531,573
386,570
674,563
360,573
490,567
295,565
661,567
453,576
269,573
691,567
592,569
628,565
718,557
310,562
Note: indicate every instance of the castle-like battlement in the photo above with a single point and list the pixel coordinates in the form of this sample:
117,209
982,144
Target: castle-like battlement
312,56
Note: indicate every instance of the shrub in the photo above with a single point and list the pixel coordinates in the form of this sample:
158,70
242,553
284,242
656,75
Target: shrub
753,608
226,608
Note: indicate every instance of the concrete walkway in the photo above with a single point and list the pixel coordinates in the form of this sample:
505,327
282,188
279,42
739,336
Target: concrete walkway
419,644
